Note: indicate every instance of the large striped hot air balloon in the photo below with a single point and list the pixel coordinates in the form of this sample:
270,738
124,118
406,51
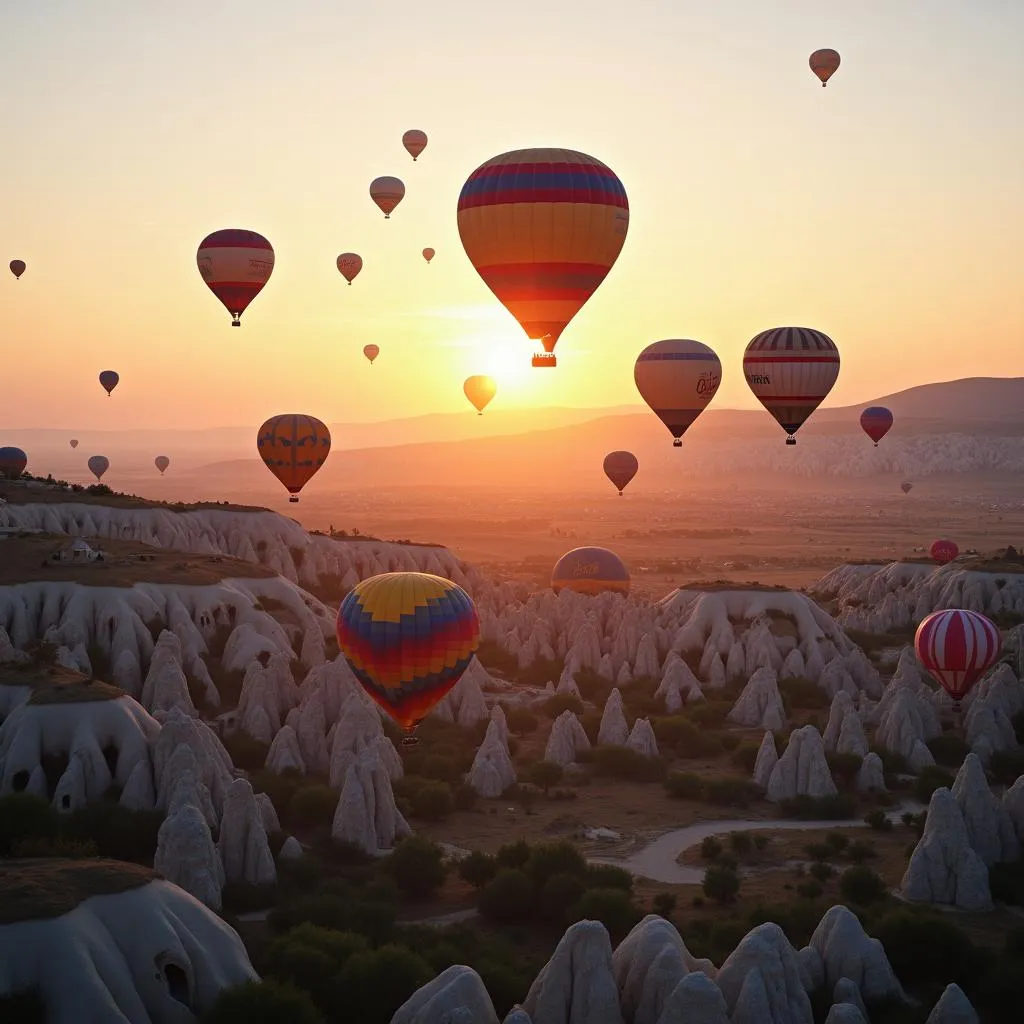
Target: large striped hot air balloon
620,468
12,463
875,422
235,265
294,447
677,378
590,571
543,227
957,647
408,637
824,63
17,268
387,192
108,380
98,465
944,551
415,141
791,370
479,389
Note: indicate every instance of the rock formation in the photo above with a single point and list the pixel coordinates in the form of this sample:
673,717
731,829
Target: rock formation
614,730
760,706
492,771
802,770
567,739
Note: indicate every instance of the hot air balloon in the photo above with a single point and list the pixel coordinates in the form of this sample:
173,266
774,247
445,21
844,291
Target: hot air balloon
371,352
12,463
543,227
480,390
408,637
875,422
677,378
349,265
791,370
17,268
387,193
235,265
944,551
428,254
906,487
161,462
824,64
73,442
109,379
957,647
590,571
294,447
415,142
620,468
98,465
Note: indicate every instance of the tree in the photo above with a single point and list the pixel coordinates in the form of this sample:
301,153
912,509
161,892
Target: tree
544,775
721,884
433,800
508,898
418,866
860,884
372,986
263,1002
478,869
664,904
612,907
312,805
520,720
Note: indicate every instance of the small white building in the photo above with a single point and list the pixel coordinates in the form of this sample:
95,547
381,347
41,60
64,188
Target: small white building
77,551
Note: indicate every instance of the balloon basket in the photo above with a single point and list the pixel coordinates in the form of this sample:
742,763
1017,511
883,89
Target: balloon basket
410,741
545,359
790,440
677,443
293,500
236,323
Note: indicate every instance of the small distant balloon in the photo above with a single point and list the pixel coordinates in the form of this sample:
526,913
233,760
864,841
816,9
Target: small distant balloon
906,487
387,193
109,379
875,422
944,551
74,442
98,465
590,571
428,254
12,463
235,264
161,462
620,468
349,265
293,447
824,63
17,268
415,142
480,390
371,352
677,378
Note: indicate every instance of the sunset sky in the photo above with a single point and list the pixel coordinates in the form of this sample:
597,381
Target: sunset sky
886,210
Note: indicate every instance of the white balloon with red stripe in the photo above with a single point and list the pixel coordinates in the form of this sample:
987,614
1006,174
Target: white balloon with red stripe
957,647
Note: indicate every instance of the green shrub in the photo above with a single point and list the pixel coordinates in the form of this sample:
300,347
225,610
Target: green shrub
892,763
861,885
709,714
721,884
664,904
680,735
819,851
684,785
821,872
949,749
418,866
544,774
433,801
760,841
929,779
837,842
627,764
26,817
802,693
312,805
118,832
826,808
508,898
710,848
513,855
373,985
612,907
246,753
744,757
1006,766
741,843
861,850
809,890
263,1002
477,869
1007,883
844,768
876,819
731,792
547,859
922,946
521,720
555,705
608,876
559,895
308,957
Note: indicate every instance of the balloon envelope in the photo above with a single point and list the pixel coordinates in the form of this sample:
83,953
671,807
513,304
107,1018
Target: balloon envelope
620,468
590,571
109,379
791,370
906,487
875,422
371,352
349,265
387,193
17,268
161,462
480,389
824,63
74,443
944,551
98,465
428,254
415,142
12,462
408,637
957,647
294,447
677,378
235,264
543,227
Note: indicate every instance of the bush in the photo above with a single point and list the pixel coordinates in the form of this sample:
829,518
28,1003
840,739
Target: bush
837,842
721,884
418,866
709,714
684,785
627,764
544,774
731,792
664,904
861,885
508,898
929,779
432,801
844,769
710,848
308,957
924,946
877,820
608,876
559,895
802,693
821,872
861,850
520,720
612,907
809,890
246,753
373,985
680,735
741,843
263,1002
760,841
1006,766
1007,883
554,706
312,805
118,833
948,749
477,869
825,808
513,855
26,817
547,859
745,757
819,851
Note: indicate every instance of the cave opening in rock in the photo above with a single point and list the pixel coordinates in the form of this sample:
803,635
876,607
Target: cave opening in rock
177,984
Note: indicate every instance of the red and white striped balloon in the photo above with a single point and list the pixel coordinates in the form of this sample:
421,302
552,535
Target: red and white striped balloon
957,647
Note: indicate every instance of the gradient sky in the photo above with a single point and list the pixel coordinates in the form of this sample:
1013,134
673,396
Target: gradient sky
886,210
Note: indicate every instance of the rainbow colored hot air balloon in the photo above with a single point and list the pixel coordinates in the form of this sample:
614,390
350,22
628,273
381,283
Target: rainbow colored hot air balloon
415,142
677,378
590,571
235,264
108,380
98,465
543,227
162,462
349,264
875,422
957,647
944,551
620,468
387,192
428,254
294,447
791,370
408,637
824,64
371,352
12,463
17,268
480,389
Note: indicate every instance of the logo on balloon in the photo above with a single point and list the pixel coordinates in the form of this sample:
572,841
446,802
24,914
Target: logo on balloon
707,383
585,569
258,269
758,378
206,268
